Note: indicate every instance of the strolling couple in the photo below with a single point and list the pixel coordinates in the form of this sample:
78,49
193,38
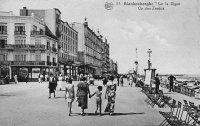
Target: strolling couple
82,96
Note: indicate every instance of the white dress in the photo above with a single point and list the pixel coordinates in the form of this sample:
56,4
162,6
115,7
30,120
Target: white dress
70,92
60,82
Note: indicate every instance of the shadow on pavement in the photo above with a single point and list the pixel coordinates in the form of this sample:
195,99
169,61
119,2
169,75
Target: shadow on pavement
131,113
103,114
169,93
6,95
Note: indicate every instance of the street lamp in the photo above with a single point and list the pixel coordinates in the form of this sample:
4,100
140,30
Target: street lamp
149,61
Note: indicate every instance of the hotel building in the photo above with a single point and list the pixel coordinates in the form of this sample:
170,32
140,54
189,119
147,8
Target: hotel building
26,46
89,49
66,35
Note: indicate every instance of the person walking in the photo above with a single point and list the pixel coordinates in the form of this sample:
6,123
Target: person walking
157,83
27,78
40,77
98,99
121,80
118,76
70,95
52,84
110,95
82,94
131,80
15,78
105,81
171,79
60,82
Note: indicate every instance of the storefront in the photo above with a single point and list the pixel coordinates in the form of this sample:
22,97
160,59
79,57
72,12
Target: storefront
32,71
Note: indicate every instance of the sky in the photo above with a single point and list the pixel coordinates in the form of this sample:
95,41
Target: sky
173,34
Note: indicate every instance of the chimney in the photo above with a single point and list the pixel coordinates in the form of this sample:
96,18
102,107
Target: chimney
24,12
85,23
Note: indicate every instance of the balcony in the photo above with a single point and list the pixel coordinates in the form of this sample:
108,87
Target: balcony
54,64
3,32
27,63
20,33
24,46
54,49
38,33
48,63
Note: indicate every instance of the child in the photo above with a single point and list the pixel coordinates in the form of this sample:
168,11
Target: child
70,95
98,98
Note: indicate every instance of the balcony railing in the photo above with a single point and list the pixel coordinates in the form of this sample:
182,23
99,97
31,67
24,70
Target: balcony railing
20,33
54,64
48,63
54,49
3,32
24,46
38,33
31,63
27,62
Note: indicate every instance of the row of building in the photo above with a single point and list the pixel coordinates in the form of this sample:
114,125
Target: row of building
39,41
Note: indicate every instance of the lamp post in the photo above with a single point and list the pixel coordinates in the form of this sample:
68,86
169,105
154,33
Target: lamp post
149,61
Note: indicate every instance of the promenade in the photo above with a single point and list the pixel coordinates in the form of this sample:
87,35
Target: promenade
28,105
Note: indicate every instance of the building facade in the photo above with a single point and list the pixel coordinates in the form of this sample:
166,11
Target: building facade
67,38
26,48
105,58
113,67
68,53
89,49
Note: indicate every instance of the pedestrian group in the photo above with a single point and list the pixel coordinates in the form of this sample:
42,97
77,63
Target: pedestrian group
83,92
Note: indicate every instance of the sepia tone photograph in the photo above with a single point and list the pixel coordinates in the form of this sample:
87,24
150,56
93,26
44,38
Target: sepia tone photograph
99,63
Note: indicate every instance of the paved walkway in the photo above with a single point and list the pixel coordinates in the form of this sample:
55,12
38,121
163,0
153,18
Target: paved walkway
180,97
28,105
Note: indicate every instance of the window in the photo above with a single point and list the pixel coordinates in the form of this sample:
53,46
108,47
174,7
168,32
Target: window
3,57
48,45
20,57
3,42
3,28
54,60
37,41
38,57
19,29
20,40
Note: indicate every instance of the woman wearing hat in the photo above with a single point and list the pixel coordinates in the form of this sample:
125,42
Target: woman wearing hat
110,95
82,94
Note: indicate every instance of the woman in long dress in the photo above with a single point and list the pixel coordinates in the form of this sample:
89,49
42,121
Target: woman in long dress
60,82
110,95
70,95
52,84
82,94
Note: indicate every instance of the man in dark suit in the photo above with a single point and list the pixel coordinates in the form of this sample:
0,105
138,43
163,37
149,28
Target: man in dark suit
157,82
171,79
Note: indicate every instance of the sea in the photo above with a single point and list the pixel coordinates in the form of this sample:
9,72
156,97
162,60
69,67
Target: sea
185,77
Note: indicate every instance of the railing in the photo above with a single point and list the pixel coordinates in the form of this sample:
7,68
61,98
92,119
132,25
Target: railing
181,87
54,49
20,33
54,64
3,32
38,33
27,62
48,63
32,63
23,46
